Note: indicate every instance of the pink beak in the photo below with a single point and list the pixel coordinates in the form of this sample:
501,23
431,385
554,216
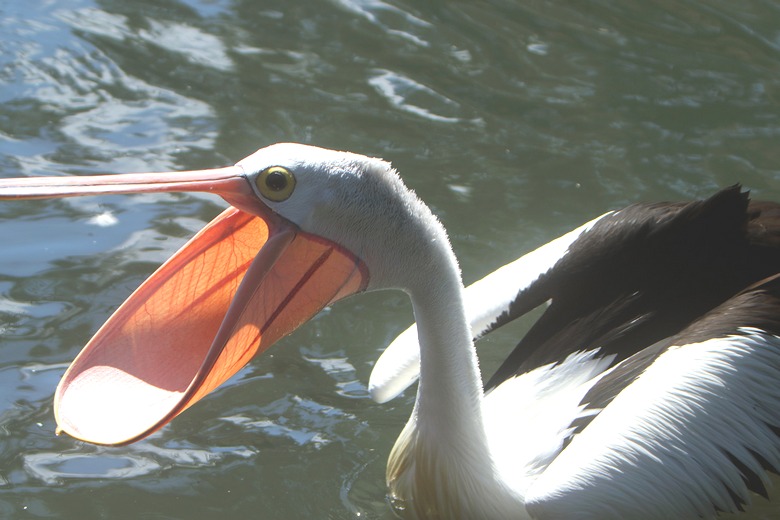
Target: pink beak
244,281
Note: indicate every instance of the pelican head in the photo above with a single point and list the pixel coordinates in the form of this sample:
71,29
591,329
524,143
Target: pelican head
307,227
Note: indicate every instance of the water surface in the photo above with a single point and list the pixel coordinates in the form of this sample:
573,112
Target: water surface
516,121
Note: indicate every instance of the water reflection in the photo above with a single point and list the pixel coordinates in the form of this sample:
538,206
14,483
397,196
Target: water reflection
56,468
410,96
53,468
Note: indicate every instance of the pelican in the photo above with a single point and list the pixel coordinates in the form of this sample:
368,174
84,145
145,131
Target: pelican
646,390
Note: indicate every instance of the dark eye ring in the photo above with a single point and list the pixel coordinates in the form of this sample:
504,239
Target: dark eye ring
276,183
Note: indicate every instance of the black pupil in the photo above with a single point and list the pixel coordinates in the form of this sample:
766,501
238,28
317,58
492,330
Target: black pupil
276,181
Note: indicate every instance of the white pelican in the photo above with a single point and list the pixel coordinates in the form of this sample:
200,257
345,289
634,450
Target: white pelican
654,395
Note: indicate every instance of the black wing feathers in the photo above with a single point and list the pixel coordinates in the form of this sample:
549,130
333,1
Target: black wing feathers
754,310
757,307
643,274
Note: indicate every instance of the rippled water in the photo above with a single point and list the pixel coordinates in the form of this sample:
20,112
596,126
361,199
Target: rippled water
515,121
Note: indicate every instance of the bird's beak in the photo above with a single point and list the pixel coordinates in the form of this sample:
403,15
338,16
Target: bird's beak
245,280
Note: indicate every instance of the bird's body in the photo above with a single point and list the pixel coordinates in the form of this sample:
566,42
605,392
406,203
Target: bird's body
642,378
648,389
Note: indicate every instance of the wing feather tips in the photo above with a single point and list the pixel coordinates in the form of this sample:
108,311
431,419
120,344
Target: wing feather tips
693,437
754,478
667,447
756,308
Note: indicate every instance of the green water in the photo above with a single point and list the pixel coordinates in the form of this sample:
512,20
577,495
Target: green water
516,121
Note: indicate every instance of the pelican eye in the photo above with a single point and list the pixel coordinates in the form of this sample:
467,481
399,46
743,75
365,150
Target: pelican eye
276,183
